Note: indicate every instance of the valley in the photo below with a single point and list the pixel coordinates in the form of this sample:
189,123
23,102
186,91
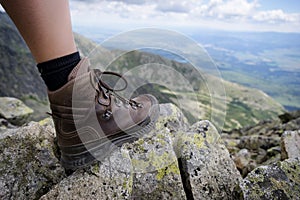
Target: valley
201,96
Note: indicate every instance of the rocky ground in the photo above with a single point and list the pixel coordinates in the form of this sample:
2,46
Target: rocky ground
265,143
174,161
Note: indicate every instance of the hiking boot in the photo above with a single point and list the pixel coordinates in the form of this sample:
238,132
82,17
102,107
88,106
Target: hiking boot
90,118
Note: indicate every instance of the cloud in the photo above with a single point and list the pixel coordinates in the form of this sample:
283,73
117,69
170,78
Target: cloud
174,6
232,8
137,2
182,13
275,16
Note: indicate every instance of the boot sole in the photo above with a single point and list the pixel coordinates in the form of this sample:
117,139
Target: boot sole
80,157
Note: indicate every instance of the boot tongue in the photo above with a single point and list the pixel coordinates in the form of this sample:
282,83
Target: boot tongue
81,68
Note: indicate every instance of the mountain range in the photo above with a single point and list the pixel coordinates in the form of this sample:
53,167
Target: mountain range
243,105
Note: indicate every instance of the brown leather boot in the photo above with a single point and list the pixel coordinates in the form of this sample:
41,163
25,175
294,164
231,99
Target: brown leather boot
91,118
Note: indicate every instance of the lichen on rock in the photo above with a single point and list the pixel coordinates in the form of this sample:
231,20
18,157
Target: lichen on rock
173,161
206,166
280,180
28,166
151,168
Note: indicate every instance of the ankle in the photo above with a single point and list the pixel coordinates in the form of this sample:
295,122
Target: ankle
55,72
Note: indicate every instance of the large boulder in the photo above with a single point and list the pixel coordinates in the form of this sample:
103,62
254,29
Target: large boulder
14,110
171,162
277,181
146,169
28,165
208,171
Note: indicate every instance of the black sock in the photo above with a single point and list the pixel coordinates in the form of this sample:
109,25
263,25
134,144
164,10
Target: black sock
55,72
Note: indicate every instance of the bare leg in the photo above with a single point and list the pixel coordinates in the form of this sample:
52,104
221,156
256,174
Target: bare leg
45,26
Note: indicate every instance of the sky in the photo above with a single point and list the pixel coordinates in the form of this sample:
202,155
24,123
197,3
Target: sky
230,15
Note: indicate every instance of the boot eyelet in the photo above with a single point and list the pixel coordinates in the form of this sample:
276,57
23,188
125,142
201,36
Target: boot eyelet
107,115
140,105
126,104
117,102
134,106
105,95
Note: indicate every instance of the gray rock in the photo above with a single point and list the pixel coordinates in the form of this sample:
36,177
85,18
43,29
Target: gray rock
286,117
170,162
293,125
266,141
149,169
4,126
172,118
14,110
99,181
290,144
28,166
120,177
277,181
146,168
231,144
255,142
243,162
207,169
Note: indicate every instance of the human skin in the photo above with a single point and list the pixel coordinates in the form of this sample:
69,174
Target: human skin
45,25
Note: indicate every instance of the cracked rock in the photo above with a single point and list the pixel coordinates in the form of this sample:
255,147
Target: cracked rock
144,169
208,171
170,162
28,166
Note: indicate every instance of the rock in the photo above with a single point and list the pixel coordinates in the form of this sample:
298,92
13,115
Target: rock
4,126
146,168
150,168
290,144
254,142
286,117
264,141
277,181
265,128
47,122
100,181
208,171
243,162
173,161
171,118
134,171
272,160
273,156
28,166
292,125
14,110
231,145
242,158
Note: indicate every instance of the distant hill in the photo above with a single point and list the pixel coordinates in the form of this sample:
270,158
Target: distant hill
20,78
269,61
18,74
244,105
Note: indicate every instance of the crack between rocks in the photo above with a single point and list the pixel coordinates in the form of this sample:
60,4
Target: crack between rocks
185,180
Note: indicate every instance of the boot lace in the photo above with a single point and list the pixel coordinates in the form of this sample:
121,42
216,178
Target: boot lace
107,91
